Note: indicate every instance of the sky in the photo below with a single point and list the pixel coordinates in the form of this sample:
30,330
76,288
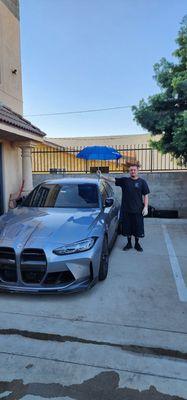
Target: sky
90,54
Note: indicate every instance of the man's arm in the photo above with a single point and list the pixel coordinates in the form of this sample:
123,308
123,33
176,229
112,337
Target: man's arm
112,180
146,202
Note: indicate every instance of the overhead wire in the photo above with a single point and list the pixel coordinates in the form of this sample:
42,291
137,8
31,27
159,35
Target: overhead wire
78,111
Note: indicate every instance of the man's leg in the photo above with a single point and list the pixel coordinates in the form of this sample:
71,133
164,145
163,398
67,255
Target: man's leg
127,230
129,244
138,230
137,244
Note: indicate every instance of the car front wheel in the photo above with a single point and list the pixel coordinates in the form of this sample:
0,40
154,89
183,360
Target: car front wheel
103,270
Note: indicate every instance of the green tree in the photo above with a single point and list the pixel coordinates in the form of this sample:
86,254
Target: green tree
165,113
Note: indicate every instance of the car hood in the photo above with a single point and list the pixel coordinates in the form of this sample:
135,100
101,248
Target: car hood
34,226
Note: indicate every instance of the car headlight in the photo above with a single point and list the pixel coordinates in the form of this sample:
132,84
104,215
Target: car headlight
76,247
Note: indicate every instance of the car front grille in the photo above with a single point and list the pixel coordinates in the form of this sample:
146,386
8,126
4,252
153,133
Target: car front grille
8,270
33,265
33,268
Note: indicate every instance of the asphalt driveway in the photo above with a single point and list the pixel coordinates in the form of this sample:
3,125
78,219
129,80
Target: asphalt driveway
125,339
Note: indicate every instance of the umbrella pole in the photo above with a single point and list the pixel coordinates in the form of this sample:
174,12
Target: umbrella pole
98,173
86,166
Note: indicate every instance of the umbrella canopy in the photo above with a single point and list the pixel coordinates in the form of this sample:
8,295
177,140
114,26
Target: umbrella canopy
99,153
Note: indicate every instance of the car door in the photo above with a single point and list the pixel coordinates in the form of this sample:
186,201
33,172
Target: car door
114,212
108,212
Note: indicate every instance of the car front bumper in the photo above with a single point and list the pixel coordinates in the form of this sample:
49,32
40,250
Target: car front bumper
72,288
81,269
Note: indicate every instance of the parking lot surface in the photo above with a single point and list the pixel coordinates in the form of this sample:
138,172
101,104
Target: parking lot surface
124,339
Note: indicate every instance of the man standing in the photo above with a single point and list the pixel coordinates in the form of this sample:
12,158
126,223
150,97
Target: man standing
134,205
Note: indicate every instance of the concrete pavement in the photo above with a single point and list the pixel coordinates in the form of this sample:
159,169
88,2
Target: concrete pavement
125,339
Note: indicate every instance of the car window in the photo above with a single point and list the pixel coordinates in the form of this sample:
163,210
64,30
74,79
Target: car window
63,196
31,196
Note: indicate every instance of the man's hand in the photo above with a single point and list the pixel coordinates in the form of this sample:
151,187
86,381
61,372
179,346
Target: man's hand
145,211
106,178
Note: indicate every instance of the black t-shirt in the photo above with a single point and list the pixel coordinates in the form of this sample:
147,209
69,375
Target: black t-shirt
132,191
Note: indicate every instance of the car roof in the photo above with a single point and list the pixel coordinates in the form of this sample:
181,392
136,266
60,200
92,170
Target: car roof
61,181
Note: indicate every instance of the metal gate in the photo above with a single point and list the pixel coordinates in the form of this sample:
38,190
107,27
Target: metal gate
62,160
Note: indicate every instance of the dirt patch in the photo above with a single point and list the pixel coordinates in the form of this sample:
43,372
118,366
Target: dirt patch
104,386
144,350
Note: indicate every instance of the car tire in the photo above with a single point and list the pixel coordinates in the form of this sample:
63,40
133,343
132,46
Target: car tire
103,269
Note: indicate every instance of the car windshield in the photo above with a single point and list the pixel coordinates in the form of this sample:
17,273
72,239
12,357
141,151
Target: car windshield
73,195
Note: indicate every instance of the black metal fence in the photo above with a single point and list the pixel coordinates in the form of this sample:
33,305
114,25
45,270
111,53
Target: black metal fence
61,160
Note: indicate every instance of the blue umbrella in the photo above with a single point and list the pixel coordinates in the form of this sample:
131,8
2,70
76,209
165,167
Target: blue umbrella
99,153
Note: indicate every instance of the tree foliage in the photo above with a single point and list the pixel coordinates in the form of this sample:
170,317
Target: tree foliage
165,113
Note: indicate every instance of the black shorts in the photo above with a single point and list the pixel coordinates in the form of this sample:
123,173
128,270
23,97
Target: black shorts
132,225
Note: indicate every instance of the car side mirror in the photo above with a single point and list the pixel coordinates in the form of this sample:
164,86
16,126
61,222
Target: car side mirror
109,202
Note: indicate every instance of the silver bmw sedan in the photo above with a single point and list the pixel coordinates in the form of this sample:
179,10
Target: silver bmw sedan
58,239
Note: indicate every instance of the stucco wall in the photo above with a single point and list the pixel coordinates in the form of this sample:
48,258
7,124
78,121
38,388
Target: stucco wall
168,189
12,170
10,59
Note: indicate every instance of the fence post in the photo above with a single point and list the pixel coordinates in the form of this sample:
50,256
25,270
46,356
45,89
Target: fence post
151,160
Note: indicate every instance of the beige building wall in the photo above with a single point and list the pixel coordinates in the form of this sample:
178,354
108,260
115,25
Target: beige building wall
111,140
12,169
17,139
10,58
